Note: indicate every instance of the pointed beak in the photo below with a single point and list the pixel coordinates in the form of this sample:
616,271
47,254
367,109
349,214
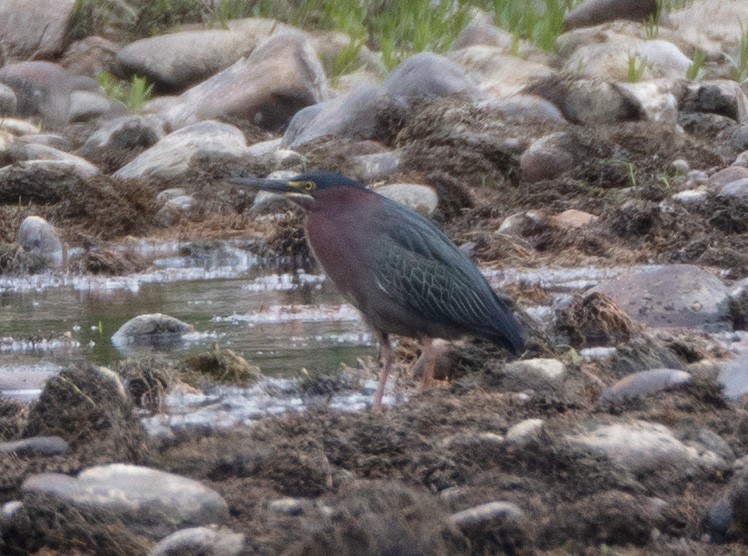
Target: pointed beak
274,186
283,188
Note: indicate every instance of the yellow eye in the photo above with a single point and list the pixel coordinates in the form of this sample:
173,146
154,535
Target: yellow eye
308,185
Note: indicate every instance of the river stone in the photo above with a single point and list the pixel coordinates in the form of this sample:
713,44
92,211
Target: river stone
162,61
734,377
377,165
525,432
593,12
8,101
39,237
361,114
722,97
91,56
726,24
151,328
34,28
200,541
40,181
148,501
88,105
496,73
642,447
587,101
43,89
727,175
550,369
35,446
677,295
36,151
123,133
18,127
521,223
548,157
53,140
572,219
420,198
644,383
734,190
523,108
429,76
279,78
171,156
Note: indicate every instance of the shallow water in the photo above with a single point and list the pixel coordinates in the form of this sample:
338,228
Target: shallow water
280,320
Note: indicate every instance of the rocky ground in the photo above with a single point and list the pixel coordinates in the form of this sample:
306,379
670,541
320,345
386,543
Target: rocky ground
622,430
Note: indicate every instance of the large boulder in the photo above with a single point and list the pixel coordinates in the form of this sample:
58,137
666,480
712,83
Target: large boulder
279,78
676,295
162,61
171,156
429,76
44,89
34,28
39,237
148,501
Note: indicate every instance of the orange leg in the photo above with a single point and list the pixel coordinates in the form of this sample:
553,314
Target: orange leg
386,350
429,362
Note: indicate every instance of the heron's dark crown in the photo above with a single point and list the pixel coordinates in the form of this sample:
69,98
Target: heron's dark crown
327,180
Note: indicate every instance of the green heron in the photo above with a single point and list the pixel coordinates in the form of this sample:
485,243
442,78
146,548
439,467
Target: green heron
405,276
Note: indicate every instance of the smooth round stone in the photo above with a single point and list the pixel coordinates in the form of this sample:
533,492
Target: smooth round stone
202,541
168,194
486,514
151,328
35,446
734,377
525,432
552,369
421,198
644,383
728,175
39,237
148,501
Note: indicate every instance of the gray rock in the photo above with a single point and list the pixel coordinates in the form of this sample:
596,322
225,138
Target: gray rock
148,501
496,73
420,198
549,157
151,328
488,525
521,223
123,133
525,432
279,78
88,105
727,175
725,25
588,101
734,377
18,127
36,152
550,369
162,61
734,190
429,76
53,140
265,149
200,541
670,296
525,108
593,12
644,383
291,506
722,97
8,101
742,159
34,29
172,155
91,56
377,165
641,447
35,446
738,499
39,237
43,89
42,181
360,114
718,520
168,194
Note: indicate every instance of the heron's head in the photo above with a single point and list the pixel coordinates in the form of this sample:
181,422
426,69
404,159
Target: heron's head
310,190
